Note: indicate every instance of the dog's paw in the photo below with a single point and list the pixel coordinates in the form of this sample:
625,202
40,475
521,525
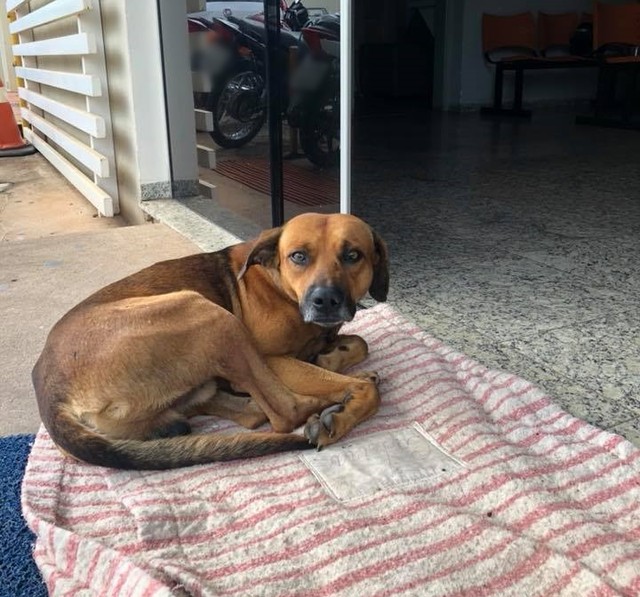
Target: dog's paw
321,428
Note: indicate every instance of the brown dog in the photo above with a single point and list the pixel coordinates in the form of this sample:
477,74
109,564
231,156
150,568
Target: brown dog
123,371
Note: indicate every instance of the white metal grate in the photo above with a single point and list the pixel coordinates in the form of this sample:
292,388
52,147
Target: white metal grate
65,109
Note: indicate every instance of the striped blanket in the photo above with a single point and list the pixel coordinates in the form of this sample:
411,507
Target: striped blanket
501,493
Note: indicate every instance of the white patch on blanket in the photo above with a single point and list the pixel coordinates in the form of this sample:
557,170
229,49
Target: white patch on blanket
382,461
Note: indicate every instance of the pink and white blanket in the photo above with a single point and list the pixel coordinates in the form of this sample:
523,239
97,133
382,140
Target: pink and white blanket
467,482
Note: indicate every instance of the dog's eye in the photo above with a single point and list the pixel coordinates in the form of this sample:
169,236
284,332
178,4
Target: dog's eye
299,257
352,256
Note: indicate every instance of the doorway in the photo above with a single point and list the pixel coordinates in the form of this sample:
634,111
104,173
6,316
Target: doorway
398,55
397,68
513,241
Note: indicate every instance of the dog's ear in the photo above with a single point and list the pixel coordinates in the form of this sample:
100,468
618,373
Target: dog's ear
380,284
264,252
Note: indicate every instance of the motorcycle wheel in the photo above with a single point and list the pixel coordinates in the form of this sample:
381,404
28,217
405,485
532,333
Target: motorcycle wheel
320,135
238,109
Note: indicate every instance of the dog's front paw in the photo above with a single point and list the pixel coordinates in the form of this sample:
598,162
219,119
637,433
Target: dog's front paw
321,429
359,403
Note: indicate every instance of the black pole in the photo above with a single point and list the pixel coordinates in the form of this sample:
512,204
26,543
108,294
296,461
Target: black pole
274,109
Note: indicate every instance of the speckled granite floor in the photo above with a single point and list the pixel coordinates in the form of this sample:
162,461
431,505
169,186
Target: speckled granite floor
517,243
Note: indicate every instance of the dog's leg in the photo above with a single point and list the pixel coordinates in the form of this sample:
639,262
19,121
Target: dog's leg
344,352
347,400
247,370
169,423
239,409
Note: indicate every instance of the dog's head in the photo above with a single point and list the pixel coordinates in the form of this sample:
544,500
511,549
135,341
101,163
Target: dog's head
326,263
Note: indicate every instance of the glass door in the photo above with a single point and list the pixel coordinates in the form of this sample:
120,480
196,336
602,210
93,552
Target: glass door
308,106
278,98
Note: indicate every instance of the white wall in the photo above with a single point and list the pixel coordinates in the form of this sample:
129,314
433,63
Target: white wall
330,5
452,55
125,120
179,97
138,102
476,77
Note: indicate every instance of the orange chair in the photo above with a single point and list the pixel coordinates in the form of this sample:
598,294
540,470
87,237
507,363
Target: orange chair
616,32
515,33
616,39
509,42
504,35
554,33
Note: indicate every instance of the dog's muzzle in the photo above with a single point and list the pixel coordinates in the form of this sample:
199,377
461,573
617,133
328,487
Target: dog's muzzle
327,306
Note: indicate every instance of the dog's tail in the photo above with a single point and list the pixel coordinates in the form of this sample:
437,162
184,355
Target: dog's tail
86,445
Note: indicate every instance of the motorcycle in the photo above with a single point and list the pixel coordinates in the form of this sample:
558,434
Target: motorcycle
236,63
314,107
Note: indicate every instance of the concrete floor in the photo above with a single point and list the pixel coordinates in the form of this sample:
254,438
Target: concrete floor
53,254
40,202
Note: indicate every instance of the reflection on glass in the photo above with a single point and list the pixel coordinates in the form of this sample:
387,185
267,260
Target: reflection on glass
312,171
231,53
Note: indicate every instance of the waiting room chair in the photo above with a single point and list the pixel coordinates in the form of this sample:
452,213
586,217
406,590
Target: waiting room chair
509,42
512,43
514,34
616,40
616,32
554,35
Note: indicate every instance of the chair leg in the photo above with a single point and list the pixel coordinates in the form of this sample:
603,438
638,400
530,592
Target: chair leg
600,93
606,99
517,90
626,90
635,73
629,93
610,87
497,87
496,109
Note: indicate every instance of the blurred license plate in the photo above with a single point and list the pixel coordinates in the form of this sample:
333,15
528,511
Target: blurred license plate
216,59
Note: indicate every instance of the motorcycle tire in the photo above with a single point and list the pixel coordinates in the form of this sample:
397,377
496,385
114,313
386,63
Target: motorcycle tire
318,126
218,104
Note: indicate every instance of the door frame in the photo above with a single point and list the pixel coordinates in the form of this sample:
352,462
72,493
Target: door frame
346,102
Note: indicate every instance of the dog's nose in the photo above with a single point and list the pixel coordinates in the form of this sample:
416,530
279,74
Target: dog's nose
327,299
327,305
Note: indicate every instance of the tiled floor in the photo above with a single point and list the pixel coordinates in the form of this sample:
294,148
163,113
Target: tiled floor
519,244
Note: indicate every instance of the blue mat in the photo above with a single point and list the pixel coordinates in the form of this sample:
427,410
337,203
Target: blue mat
19,576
